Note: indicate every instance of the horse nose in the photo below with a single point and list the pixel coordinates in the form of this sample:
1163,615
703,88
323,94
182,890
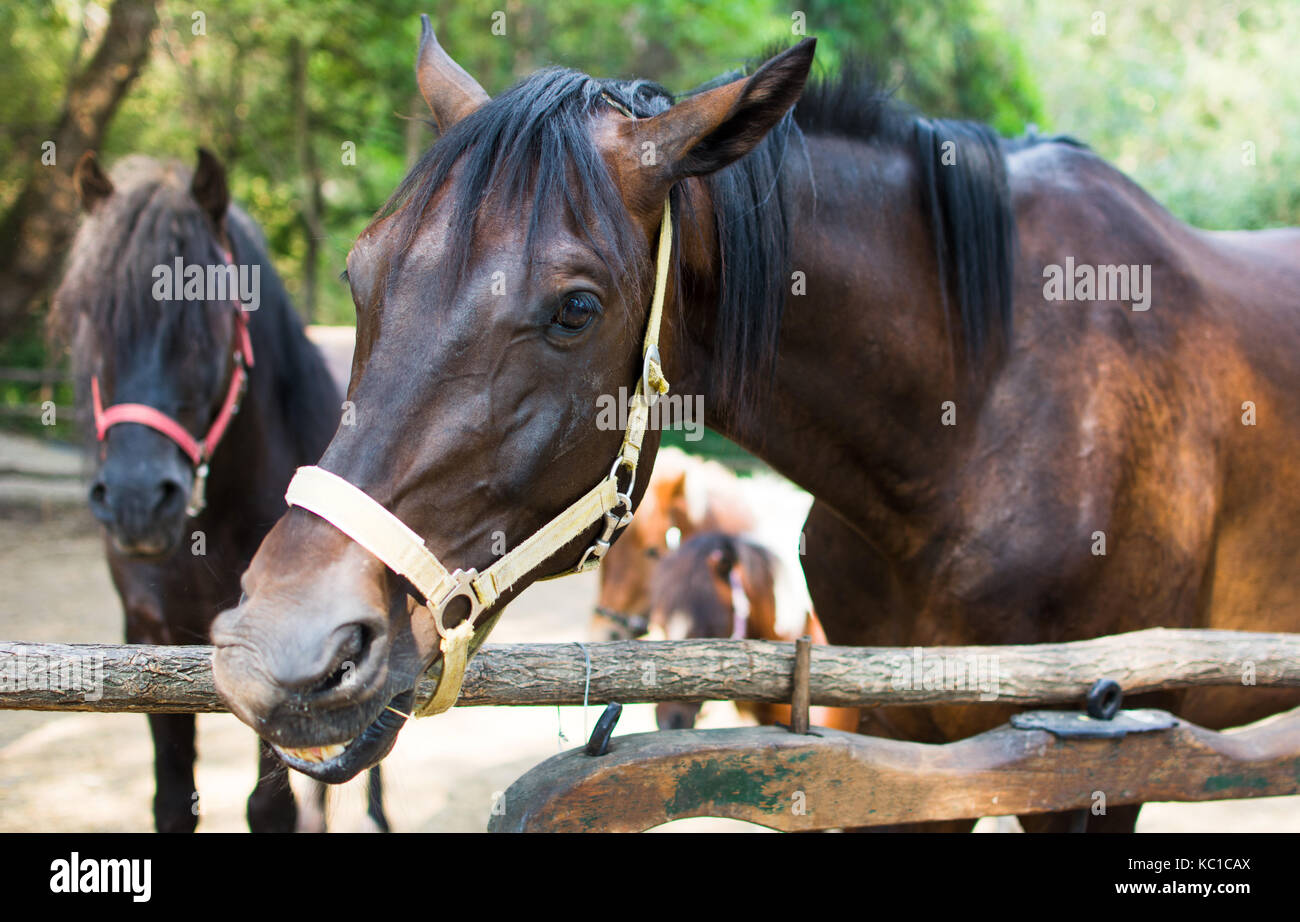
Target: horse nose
318,660
671,716
311,673
134,504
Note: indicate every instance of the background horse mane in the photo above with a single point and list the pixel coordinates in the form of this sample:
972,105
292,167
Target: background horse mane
532,142
149,220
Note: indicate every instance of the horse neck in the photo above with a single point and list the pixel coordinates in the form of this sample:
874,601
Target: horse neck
864,362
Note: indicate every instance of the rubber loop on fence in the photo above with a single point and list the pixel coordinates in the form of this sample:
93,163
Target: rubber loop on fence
1103,699
598,744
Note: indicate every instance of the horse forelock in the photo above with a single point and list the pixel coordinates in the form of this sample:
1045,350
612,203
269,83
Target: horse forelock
150,220
528,152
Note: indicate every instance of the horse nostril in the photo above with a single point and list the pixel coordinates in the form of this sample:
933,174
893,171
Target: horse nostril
169,492
354,641
99,494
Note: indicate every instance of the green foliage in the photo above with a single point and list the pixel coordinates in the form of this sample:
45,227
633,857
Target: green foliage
946,57
231,88
1171,92
39,44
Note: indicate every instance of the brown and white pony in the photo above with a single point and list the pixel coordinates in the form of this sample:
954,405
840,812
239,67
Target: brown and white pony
719,586
686,495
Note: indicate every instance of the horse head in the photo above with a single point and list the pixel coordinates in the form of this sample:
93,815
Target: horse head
505,288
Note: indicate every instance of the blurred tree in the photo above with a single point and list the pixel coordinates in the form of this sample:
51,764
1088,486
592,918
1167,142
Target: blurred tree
1198,100
314,109
40,221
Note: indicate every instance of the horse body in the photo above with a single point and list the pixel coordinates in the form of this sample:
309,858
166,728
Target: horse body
176,572
1101,421
976,458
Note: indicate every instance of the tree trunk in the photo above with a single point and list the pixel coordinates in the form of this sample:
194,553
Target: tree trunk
40,224
312,202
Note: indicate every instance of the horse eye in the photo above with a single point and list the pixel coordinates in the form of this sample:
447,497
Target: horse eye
652,553
576,311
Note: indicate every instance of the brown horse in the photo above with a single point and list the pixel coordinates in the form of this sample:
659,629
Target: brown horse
686,495
718,585
843,289
185,387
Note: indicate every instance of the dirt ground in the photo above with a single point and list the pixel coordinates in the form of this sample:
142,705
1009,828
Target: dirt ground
93,772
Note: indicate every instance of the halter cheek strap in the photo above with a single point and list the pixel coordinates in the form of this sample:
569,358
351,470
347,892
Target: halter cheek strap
352,511
199,451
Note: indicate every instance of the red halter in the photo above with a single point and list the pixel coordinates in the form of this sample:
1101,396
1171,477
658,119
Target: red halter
197,450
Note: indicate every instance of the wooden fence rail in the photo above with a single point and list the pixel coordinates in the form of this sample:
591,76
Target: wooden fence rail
106,677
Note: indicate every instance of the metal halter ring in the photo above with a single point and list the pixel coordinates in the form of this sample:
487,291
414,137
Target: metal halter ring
464,586
198,500
622,461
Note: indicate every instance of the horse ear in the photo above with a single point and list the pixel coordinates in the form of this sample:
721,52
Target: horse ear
209,186
450,92
710,130
90,181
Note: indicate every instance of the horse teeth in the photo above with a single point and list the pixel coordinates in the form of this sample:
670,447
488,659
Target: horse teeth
316,754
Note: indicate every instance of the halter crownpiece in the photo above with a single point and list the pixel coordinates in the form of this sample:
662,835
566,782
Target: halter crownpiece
199,451
359,516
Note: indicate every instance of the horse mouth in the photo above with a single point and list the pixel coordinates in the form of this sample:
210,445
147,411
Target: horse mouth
152,548
340,762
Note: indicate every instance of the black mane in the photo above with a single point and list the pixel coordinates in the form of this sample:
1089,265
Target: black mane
962,166
149,220
533,141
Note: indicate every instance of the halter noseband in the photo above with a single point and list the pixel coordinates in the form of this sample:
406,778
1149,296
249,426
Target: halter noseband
636,625
369,524
199,451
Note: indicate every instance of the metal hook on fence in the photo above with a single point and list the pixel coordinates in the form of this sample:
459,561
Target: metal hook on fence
801,696
598,745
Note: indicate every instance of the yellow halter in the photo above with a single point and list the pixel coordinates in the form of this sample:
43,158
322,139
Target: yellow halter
365,521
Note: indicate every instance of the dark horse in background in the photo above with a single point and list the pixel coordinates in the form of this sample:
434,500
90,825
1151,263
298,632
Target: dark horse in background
175,571
921,248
